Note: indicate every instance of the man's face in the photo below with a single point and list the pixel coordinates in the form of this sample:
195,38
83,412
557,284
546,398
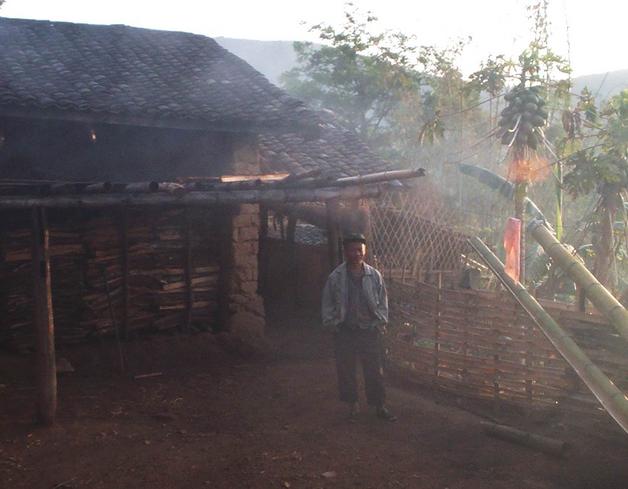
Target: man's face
354,253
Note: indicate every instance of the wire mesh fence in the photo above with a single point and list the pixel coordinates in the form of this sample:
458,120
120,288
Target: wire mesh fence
415,237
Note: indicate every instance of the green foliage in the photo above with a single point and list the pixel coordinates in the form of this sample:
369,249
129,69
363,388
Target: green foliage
603,165
397,96
492,75
602,168
362,76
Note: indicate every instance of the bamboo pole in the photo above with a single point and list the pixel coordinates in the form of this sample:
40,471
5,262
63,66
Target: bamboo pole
542,443
43,320
610,397
591,287
379,177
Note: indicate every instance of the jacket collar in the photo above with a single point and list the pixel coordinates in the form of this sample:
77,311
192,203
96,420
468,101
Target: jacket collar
368,269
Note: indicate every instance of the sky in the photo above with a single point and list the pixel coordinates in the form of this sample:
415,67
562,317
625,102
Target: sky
595,29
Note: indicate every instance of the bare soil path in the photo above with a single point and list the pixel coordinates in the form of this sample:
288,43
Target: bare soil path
217,418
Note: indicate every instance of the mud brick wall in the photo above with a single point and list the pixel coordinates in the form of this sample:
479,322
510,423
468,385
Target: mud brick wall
246,308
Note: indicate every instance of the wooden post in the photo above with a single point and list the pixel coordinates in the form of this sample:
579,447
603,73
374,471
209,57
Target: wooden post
439,300
43,320
124,261
226,260
187,272
496,372
468,312
333,235
528,332
582,299
293,279
292,229
4,282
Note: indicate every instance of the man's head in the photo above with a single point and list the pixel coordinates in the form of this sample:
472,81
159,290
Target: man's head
355,249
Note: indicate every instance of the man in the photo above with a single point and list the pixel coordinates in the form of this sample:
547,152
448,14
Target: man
355,308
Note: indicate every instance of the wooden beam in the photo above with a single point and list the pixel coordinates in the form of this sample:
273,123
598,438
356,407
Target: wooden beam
191,198
305,128
333,232
43,320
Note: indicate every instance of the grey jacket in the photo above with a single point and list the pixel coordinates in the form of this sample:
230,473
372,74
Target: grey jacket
335,296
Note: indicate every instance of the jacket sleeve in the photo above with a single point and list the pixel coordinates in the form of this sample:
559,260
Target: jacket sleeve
328,306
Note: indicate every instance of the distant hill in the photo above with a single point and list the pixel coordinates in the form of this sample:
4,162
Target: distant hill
603,85
272,58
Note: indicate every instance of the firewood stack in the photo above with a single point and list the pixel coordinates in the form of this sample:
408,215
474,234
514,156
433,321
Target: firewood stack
88,247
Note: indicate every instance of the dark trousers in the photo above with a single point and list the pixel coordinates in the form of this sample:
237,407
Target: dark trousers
351,344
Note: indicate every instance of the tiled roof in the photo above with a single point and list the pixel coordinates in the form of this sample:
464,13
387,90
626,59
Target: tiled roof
336,151
125,74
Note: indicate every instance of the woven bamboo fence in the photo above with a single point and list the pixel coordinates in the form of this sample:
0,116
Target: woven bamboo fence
157,269
481,344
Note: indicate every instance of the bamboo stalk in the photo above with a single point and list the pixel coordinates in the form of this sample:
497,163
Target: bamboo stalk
380,177
594,290
614,401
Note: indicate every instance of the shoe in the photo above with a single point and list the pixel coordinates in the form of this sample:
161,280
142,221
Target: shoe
385,414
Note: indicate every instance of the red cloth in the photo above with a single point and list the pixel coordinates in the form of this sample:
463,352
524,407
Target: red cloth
512,245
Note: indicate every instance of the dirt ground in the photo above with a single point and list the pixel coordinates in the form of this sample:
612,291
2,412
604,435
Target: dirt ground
223,416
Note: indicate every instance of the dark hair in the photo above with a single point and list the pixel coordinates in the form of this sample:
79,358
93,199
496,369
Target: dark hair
354,238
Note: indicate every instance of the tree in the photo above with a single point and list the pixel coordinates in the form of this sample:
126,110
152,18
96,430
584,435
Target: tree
602,167
361,75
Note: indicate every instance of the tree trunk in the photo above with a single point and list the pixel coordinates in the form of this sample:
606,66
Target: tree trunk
605,247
